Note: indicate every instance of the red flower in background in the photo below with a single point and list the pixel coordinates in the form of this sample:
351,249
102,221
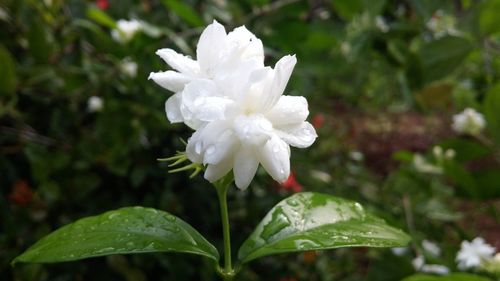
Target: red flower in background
102,4
21,193
292,184
318,120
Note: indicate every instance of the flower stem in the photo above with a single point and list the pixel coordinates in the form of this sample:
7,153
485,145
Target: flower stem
228,271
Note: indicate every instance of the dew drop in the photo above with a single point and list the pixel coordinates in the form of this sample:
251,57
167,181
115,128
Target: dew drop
198,147
171,218
112,215
210,150
292,202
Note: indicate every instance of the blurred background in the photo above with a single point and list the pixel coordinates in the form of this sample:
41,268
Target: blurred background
81,128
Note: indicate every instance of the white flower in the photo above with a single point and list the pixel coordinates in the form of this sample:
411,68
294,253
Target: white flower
256,127
469,122
128,67
381,24
472,254
420,265
423,166
126,30
236,105
442,24
431,247
399,251
227,60
435,269
95,104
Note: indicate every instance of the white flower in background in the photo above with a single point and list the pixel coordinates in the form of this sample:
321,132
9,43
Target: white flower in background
321,176
128,67
227,60
399,251
468,122
236,105
424,166
431,248
381,24
449,154
442,24
420,265
472,254
95,104
125,30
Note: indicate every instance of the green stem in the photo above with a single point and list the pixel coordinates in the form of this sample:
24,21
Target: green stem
228,271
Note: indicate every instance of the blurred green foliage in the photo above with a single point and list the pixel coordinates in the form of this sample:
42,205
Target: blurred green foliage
381,76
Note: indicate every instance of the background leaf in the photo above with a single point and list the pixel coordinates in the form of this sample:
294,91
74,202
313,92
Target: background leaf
491,108
441,56
313,221
123,231
451,277
184,11
101,17
8,77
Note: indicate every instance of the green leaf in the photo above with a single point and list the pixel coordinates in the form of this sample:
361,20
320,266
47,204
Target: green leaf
491,107
442,56
8,79
348,8
489,22
450,277
124,231
313,221
469,149
40,45
184,12
101,17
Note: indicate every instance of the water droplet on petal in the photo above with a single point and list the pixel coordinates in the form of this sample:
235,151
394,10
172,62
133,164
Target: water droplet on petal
198,147
210,150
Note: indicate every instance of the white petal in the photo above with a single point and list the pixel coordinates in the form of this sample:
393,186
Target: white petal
201,101
194,148
275,158
245,167
173,108
181,63
215,172
301,136
253,129
288,110
170,80
283,71
212,143
224,143
248,44
210,46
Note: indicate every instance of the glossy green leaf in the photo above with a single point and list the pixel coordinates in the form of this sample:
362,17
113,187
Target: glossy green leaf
184,11
123,231
450,277
442,56
8,79
491,108
314,221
